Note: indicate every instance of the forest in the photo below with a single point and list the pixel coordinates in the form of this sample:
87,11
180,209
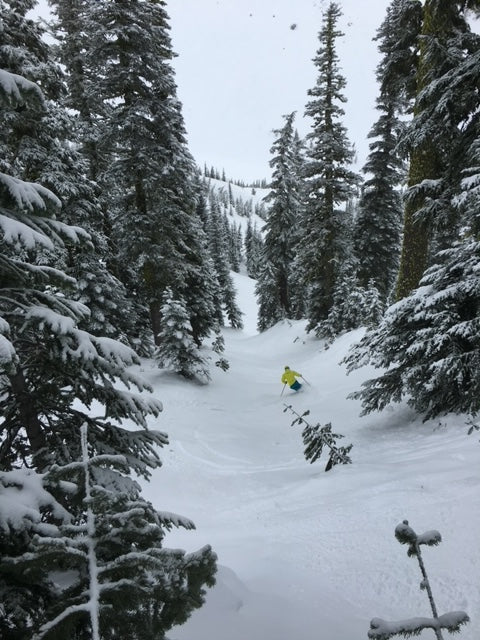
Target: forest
118,247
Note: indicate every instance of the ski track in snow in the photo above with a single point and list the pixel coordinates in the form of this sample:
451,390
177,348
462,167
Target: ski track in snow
303,553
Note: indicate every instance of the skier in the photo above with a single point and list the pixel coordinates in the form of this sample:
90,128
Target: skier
290,377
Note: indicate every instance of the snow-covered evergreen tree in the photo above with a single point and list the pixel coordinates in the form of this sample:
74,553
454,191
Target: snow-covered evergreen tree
150,174
378,224
398,42
52,372
108,572
43,145
380,212
235,246
49,363
277,276
218,245
353,305
253,250
269,312
436,145
176,349
330,183
428,343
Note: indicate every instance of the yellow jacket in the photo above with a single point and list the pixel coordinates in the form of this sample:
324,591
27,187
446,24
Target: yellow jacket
289,376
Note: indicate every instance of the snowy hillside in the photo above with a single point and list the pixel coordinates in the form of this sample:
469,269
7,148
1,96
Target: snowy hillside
305,554
247,199
255,195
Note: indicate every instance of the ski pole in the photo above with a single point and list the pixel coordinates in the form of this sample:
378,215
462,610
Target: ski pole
306,381
283,388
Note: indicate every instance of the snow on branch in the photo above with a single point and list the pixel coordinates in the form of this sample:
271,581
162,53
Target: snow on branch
68,231
8,354
14,231
169,520
316,437
52,321
383,629
425,188
406,535
14,89
22,497
115,350
451,622
48,626
44,271
28,196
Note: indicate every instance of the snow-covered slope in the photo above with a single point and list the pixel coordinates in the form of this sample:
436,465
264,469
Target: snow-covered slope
255,195
249,199
305,554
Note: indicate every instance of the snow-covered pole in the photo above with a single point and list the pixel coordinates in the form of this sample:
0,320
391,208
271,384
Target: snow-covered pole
94,598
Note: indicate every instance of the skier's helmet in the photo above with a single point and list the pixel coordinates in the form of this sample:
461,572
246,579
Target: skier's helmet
286,368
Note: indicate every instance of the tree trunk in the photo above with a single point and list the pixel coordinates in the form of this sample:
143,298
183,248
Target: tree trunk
28,413
155,321
424,162
416,235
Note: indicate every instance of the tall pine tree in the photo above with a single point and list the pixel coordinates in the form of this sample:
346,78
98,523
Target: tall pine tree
430,221
428,342
278,275
52,372
149,174
218,243
380,213
330,183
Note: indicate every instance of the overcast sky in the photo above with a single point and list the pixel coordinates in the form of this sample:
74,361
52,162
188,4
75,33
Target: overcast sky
242,64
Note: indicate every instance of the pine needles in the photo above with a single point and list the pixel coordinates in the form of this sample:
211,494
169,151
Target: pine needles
316,437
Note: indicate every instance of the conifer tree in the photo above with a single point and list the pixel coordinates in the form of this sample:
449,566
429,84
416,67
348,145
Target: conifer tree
253,249
226,303
432,144
176,348
427,343
380,212
378,224
112,574
149,171
353,306
398,42
202,208
235,245
52,371
277,276
51,368
269,312
317,437
43,145
329,181
47,345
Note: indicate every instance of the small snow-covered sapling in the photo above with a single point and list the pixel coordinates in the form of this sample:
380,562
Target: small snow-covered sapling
452,621
315,437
